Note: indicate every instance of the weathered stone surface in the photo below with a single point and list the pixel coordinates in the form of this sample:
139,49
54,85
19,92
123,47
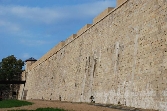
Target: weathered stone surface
121,59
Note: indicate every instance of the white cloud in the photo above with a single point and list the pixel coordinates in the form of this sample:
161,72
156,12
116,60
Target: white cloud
94,8
49,15
35,14
9,26
14,19
25,56
44,15
34,42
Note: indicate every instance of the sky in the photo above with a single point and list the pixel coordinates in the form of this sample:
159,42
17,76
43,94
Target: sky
30,28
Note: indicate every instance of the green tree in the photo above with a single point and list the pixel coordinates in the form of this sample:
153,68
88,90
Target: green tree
11,68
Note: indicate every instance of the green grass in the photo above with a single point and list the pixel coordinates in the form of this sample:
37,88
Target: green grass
13,103
18,103
42,109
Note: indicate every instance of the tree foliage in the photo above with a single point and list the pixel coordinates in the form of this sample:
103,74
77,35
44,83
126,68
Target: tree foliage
11,68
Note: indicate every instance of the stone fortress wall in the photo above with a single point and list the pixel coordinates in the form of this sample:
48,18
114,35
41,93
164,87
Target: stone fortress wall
120,58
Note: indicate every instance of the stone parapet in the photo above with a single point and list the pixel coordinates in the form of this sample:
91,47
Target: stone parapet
83,29
119,2
102,15
71,38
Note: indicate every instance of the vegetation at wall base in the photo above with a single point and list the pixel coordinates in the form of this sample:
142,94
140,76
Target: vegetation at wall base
43,109
13,103
49,109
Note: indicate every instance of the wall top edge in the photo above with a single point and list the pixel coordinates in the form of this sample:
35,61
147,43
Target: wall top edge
48,54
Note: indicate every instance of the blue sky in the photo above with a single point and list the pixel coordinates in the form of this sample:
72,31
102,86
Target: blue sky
30,28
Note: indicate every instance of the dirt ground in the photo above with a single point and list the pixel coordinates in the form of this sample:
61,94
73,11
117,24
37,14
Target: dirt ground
65,105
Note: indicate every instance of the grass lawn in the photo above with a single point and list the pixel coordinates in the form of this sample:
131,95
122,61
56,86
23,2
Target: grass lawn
18,103
13,103
42,109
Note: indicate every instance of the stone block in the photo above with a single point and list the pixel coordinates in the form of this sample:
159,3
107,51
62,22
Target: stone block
69,39
83,29
102,15
119,2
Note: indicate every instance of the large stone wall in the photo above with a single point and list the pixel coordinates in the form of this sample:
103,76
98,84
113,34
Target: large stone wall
120,58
